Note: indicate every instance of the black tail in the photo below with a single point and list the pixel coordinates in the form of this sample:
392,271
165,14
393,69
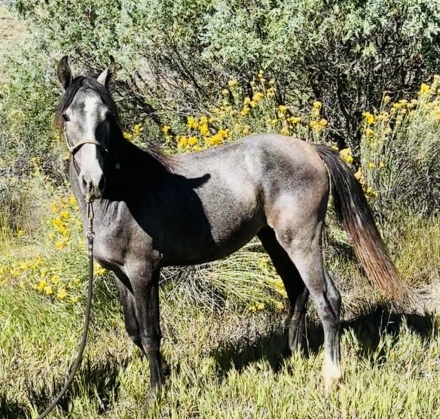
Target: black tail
355,215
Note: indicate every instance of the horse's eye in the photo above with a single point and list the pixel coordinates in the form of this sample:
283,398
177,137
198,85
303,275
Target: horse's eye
65,117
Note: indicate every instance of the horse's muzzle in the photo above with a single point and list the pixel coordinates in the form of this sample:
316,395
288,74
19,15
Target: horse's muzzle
92,184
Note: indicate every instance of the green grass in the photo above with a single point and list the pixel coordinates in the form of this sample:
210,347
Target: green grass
226,361
224,364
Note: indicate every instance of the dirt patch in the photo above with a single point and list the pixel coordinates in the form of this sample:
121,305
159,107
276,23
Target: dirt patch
11,32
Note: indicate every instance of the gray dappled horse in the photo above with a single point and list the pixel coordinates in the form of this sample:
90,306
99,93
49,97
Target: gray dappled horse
153,211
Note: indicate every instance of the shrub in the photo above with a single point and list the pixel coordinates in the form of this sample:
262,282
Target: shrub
176,56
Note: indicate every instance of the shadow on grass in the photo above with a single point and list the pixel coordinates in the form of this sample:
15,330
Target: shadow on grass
9,409
95,381
368,328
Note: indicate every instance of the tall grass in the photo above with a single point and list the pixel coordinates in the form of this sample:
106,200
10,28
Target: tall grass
224,323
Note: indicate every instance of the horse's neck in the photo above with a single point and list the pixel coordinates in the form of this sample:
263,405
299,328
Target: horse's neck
127,166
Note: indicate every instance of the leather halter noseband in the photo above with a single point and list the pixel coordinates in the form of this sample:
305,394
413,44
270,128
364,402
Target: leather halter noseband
73,149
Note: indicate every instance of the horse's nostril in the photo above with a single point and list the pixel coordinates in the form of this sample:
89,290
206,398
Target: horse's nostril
84,183
101,184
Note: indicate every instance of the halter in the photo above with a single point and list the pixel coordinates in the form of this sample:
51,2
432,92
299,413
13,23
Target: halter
73,149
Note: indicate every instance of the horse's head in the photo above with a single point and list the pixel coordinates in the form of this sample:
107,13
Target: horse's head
86,113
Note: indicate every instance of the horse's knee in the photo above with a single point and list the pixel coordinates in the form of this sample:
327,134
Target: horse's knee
136,340
151,343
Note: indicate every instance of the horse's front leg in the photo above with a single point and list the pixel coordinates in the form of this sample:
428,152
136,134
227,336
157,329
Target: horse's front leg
145,283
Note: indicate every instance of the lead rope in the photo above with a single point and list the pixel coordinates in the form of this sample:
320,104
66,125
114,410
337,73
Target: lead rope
77,363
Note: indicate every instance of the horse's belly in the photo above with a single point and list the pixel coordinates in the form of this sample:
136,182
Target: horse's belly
207,248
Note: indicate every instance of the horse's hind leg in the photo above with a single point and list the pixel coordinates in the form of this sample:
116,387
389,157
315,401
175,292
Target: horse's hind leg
301,240
297,292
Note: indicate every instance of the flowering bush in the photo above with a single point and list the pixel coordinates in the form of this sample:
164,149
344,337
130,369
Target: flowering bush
238,114
50,260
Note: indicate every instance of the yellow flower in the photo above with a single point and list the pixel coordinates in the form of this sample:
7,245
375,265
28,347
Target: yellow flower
192,141
54,208
98,270
64,214
284,131
72,200
41,285
386,99
166,128
62,294
246,100
204,129
20,233
257,96
246,130
182,142
279,305
371,165
245,111
60,244
260,306
294,120
345,155
192,122
232,83
127,136
317,104
137,129
48,290
323,122
424,89
253,103
282,108
273,121
369,132
74,299
369,118
55,279
225,92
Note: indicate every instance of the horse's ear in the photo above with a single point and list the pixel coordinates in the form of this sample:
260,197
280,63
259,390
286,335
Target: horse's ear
105,77
64,72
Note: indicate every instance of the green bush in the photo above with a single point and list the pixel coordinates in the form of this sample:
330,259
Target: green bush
175,56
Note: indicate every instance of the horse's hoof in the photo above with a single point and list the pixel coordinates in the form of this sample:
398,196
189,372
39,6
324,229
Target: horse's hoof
153,396
332,377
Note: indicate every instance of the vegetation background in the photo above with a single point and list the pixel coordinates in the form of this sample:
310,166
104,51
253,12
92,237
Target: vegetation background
359,76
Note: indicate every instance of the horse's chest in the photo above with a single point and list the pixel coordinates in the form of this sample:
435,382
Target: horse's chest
116,244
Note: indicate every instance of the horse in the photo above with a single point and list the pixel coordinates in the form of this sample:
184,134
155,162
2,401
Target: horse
153,210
